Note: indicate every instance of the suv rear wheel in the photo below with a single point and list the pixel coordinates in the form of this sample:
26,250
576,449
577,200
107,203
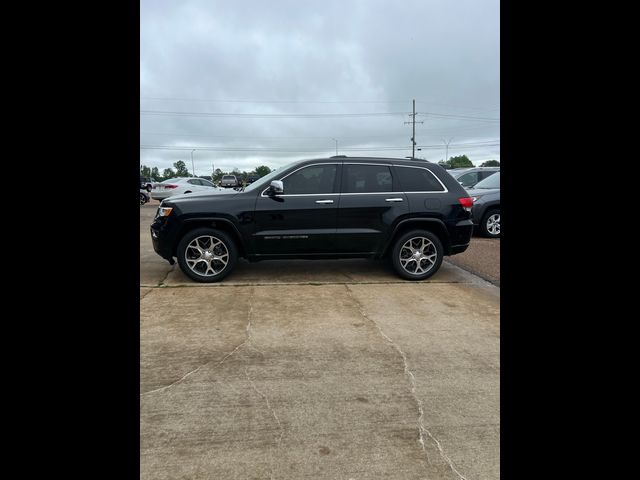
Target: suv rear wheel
206,255
417,255
490,225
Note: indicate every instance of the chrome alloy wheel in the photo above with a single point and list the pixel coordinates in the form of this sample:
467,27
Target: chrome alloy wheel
493,224
206,255
418,255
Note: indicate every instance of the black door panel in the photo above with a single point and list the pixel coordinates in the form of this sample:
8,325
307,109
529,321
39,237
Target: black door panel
303,218
364,220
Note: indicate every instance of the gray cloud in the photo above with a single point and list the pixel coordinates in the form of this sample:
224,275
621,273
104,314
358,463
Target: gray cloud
295,57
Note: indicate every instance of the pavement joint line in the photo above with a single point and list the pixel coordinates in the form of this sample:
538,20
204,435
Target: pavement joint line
221,285
412,381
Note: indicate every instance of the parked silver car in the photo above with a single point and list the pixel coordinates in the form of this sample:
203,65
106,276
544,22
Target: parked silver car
486,205
229,181
469,177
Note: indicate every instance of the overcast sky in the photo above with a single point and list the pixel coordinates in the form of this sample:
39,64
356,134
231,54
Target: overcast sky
332,59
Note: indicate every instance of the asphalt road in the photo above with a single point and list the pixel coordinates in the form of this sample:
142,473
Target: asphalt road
317,369
482,258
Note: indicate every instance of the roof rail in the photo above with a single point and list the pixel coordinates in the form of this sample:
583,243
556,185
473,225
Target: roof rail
339,156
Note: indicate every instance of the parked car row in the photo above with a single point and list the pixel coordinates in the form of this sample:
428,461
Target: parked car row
483,185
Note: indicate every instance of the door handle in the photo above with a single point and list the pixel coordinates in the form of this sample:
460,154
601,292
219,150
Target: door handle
324,201
393,200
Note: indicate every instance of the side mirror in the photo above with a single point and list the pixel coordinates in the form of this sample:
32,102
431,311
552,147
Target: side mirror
276,187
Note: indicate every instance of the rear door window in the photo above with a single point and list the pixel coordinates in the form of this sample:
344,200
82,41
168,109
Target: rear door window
367,179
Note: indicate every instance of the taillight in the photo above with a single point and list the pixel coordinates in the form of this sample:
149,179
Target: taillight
171,186
466,202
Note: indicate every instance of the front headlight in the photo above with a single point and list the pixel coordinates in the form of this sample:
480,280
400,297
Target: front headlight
164,211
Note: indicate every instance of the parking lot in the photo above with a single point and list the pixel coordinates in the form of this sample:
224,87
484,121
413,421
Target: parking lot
317,369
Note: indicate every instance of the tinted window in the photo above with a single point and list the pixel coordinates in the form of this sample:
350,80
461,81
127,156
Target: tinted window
228,177
311,180
418,180
468,179
206,183
491,182
193,181
367,178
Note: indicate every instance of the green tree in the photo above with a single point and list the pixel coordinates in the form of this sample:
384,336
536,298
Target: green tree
181,169
155,174
217,175
168,173
460,161
262,170
145,171
491,163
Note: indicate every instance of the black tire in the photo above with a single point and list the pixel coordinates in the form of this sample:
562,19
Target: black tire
490,224
433,246
149,188
185,251
143,199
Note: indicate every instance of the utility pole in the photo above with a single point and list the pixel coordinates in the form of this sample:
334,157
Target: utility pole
446,155
192,167
413,122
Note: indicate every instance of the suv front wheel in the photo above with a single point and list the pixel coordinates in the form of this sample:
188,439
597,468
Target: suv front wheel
417,255
206,255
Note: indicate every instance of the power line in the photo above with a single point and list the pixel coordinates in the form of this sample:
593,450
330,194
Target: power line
270,115
421,131
310,150
268,101
311,115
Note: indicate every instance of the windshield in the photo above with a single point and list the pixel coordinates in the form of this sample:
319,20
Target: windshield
228,177
490,182
264,181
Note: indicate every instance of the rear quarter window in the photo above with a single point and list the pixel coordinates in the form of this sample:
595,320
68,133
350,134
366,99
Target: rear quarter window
413,179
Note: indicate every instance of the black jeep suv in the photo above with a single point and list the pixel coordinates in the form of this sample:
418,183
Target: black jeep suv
409,210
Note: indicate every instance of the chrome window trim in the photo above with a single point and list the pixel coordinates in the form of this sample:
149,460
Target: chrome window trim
446,190
302,194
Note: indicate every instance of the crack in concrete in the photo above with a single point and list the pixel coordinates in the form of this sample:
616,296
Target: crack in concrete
145,294
412,380
161,282
273,412
247,339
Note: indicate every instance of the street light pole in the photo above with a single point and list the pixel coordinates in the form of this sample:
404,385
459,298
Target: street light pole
192,166
336,144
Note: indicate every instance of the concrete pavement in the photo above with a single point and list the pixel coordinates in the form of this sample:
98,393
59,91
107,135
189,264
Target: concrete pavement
313,369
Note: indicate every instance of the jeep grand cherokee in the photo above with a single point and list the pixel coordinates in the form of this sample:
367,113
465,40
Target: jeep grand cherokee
410,211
